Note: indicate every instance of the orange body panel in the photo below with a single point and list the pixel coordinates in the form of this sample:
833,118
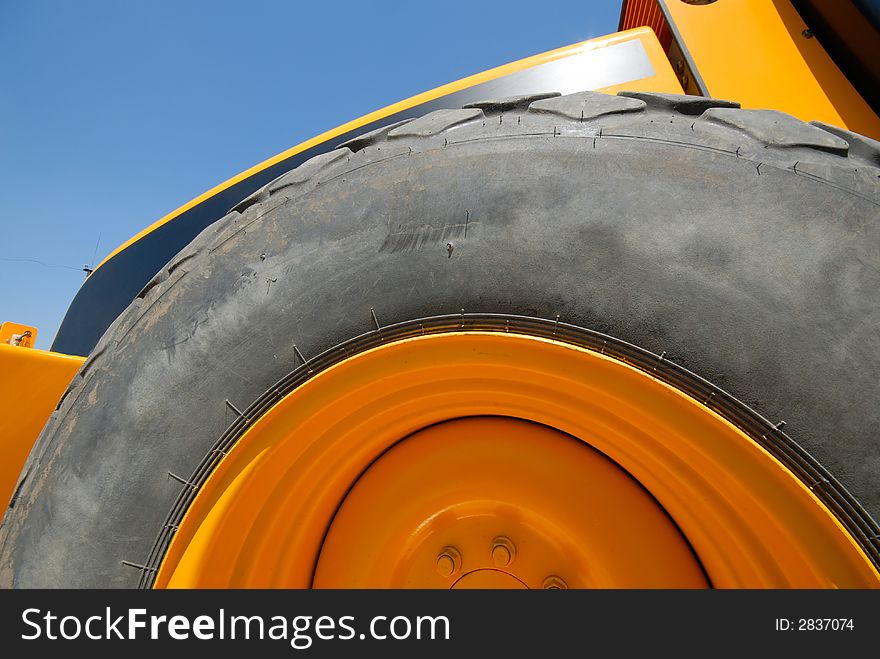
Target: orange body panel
32,382
755,52
16,334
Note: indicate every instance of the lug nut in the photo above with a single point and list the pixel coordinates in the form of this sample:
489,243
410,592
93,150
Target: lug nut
448,562
503,551
554,583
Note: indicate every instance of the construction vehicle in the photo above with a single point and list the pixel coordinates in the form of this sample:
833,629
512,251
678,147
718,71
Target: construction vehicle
537,328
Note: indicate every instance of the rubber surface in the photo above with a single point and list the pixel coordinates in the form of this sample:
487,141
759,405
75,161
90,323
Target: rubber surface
744,244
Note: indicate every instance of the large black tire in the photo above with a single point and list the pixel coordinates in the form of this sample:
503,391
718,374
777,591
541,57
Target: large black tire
745,244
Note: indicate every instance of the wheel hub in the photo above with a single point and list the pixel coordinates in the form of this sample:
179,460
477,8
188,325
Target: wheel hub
502,501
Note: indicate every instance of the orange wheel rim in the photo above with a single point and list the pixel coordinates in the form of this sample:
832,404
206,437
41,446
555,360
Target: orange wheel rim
262,516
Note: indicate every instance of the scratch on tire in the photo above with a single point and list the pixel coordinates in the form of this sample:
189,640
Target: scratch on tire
411,237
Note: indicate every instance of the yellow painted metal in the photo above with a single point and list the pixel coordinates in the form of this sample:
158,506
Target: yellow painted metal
16,334
564,508
31,383
754,52
260,518
663,80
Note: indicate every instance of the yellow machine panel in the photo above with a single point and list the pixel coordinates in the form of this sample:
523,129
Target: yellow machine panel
757,52
32,381
16,334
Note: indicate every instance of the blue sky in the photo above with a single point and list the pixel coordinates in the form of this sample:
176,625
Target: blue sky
115,112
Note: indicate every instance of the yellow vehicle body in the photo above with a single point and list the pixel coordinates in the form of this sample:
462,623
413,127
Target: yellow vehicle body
31,385
755,51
